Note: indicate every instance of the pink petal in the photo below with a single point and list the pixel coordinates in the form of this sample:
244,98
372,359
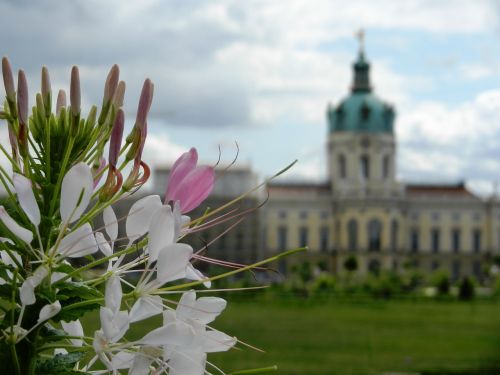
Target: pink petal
195,188
182,166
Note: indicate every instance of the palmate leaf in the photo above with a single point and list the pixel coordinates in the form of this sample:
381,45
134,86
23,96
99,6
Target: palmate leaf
60,364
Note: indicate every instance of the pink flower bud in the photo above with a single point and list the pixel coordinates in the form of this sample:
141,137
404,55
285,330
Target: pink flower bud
8,79
144,103
75,95
188,184
116,138
111,83
22,97
61,100
119,95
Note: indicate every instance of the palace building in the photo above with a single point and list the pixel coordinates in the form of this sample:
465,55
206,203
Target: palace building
363,211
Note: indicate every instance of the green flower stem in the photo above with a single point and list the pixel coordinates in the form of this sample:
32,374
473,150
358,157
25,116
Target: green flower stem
262,370
84,303
233,272
12,161
15,358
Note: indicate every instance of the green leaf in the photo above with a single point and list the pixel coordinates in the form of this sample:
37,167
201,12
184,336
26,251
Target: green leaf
60,364
69,313
77,289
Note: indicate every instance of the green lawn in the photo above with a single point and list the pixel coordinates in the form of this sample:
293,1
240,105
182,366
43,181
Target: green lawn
365,338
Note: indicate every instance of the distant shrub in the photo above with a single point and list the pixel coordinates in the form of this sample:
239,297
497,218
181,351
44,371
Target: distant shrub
323,284
441,280
466,289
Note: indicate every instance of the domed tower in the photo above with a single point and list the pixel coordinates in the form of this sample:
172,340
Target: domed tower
361,144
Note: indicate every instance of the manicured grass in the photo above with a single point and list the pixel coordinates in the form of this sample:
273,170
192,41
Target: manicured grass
365,338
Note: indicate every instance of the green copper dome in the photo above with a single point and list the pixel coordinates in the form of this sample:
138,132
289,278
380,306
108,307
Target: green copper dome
361,111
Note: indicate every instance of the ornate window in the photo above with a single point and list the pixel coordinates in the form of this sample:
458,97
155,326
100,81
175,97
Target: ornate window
385,166
365,166
342,166
374,235
282,238
476,240
352,231
455,240
323,239
414,240
303,236
394,235
435,239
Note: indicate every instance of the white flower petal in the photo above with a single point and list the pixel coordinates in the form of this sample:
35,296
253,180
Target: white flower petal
110,222
103,244
26,198
122,360
27,293
145,307
193,274
187,362
173,261
73,328
175,333
7,259
140,215
78,243
113,293
56,276
161,231
216,341
114,325
22,233
141,365
204,310
49,311
76,191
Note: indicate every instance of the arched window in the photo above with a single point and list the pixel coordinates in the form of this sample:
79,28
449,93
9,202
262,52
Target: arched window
386,166
342,166
394,235
352,231
365,166
374,235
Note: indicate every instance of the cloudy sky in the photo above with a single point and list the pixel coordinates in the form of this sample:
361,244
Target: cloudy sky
262,72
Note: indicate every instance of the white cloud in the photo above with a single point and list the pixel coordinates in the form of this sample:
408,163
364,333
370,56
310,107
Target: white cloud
441,143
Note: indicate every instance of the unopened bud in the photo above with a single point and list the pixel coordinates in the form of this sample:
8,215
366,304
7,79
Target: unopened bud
75,95
91,116
22,138
8,79
22,97
111,83
116,138
144,103
46,90
61,101
40,105
119,95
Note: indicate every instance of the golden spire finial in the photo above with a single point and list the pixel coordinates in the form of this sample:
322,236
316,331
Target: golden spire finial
360,35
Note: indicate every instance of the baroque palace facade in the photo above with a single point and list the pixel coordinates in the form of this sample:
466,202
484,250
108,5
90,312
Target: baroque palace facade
361,211
365,212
